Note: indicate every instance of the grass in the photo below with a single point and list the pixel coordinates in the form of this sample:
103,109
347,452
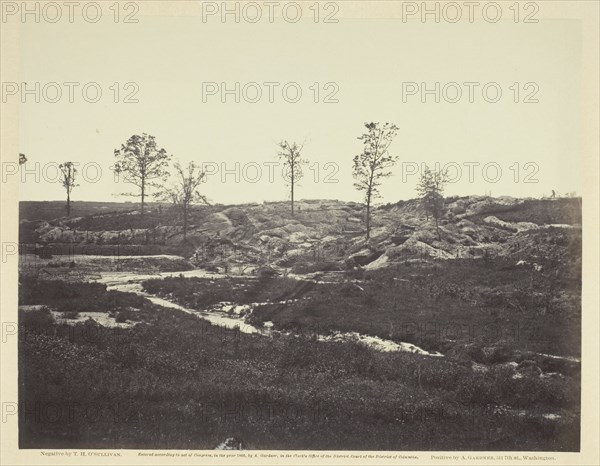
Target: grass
49,210
539,211
82,296
173,381
91,264
199,293
463,306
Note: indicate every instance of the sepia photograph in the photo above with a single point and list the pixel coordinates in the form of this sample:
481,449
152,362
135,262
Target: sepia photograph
346,232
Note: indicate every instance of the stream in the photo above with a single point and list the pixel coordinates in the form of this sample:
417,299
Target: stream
232,316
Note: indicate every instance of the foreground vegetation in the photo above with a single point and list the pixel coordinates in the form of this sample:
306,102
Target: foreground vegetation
481,310
174,381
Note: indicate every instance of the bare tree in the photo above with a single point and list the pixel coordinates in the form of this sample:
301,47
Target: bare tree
141,162
372,165
69,174
184,191
293,161
431,191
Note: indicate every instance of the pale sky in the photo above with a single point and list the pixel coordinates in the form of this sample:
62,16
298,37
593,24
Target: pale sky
170,57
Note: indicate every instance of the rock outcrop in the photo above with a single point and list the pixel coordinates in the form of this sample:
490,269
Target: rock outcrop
329,231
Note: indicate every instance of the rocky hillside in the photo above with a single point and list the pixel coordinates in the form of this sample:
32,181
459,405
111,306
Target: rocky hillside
328,234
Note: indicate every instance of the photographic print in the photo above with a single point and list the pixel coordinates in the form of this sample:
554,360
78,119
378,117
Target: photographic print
299,232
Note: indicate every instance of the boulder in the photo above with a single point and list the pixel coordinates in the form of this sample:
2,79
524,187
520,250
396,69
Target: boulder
399,239
378,263
297,237
294,228
217,222
275,232
363,257
265,271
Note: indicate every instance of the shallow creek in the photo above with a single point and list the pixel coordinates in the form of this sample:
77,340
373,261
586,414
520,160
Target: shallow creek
232,316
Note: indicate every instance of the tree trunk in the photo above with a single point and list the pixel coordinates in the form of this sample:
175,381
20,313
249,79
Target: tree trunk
185,222
369,194
368,214
437,227
143,195
68,203
292,190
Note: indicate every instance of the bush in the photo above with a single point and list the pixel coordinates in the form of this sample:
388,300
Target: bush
37,318
165,371
355,273
312,267
34,291
350,290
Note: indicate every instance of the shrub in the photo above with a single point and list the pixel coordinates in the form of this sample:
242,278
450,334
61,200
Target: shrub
312,267
356,273
38,318
164,371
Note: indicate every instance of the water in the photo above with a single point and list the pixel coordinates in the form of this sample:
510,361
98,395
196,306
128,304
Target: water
231,316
